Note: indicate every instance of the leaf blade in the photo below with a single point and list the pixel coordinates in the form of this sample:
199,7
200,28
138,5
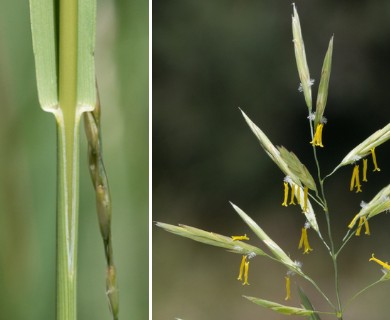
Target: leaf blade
45,43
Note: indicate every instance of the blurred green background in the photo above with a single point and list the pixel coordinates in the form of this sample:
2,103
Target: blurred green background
28,170
211,57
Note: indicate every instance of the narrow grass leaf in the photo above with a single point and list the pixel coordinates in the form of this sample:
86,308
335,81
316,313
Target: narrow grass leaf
307,304
279,307
45,43
86,88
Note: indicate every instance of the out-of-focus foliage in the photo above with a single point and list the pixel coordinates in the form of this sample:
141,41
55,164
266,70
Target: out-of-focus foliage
28,171
211,57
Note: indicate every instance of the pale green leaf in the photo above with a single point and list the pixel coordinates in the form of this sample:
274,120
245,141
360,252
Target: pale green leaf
86,88
307,304
45,43
46,37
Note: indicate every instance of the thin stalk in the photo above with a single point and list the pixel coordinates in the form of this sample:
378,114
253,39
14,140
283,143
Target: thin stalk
327,216
320,291
68,162
362,291
346,239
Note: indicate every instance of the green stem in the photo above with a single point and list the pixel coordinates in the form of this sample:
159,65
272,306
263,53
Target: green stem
68,162
320,291
339,312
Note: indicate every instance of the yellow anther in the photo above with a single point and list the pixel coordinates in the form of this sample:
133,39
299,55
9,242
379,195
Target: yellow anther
353,222
364,170
304,242
374,160
244,237
355,173
288,288
355,181
292,197
358,230
242,266
383,264
285,195
317,139
246,274
366,226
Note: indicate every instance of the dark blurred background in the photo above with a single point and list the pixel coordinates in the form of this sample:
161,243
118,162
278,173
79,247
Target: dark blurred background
211,57
28,170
